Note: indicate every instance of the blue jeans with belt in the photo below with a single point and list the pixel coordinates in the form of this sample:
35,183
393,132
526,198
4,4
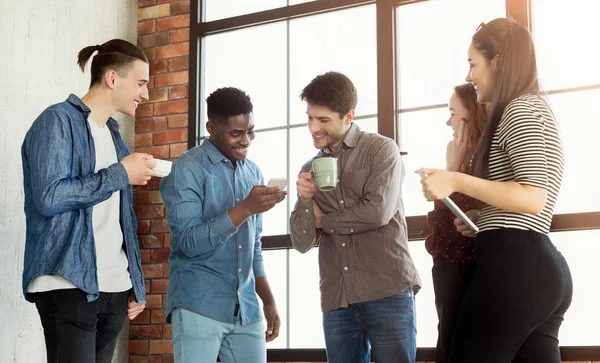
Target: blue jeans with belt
387,327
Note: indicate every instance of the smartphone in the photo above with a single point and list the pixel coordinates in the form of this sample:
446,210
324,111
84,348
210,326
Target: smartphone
278,182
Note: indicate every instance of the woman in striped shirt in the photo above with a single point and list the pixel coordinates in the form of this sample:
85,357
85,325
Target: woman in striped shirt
522,285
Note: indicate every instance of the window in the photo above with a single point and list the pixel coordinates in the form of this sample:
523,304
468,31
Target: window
275,57
430,63
273,63
566,39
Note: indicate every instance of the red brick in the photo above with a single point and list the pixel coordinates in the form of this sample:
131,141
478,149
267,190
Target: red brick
147,284
145,359
149,211
146,27
150,124
180,7
143,140
166,266
144,110
159,152
142,318
170,136
150,54
146,331
151,80
173,22
141,198
169,79
143,226
167,331
159,226
158,94
153,184
177,121
153,271
178,92
167,108
158,316
160,255
172,50
153,40
161,347
139,347
166,1
152,12
145,256
168,359
151,241
154,301
144,3
159,66
180,35
178,149
165,299
156,198
177,64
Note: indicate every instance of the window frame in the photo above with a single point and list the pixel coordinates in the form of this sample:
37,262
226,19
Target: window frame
388,111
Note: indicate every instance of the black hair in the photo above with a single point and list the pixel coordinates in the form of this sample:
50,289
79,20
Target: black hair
226,102
116,54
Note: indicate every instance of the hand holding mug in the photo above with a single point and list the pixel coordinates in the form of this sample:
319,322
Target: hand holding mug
306,187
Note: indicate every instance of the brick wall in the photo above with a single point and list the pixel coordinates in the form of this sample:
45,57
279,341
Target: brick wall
161,130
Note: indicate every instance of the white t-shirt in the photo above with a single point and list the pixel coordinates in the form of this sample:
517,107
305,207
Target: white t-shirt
111,260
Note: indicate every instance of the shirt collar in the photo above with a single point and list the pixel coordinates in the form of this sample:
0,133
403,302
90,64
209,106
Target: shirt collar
82,107
350,140
214,154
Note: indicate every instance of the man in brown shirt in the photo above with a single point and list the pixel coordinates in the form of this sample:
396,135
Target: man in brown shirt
368,278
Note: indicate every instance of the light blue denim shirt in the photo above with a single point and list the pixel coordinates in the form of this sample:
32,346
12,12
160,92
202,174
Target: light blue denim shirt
61,188
213,263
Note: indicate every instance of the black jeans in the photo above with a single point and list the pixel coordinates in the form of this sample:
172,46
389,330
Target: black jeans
450,283
77,331
516,301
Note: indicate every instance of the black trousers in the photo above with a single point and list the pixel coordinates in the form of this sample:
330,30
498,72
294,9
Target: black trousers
450,283
78,331
516,301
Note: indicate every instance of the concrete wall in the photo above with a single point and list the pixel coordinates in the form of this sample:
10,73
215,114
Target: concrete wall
39,41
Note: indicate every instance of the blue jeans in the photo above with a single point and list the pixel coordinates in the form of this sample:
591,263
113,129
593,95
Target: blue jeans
386,326
198,339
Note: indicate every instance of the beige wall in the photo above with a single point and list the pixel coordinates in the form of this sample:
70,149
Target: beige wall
39,41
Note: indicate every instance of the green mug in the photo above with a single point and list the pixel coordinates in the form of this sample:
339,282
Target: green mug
325,171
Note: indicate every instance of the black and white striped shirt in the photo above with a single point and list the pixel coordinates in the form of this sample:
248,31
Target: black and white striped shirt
526,148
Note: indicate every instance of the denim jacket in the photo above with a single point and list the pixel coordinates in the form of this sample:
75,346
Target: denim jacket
60,190
213,264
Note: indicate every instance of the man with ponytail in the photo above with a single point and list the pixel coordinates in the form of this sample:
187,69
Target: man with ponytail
82,265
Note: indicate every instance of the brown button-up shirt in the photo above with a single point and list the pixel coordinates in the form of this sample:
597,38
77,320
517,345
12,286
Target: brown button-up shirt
363,246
